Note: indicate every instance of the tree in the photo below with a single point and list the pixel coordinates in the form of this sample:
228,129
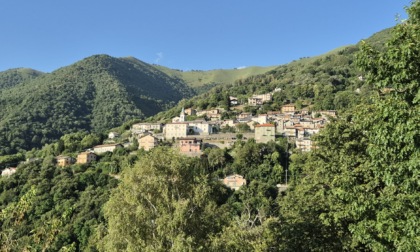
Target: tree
361,185
166,202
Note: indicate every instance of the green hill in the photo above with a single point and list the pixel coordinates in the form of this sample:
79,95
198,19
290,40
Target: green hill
202,81
94,94
328,81
16,76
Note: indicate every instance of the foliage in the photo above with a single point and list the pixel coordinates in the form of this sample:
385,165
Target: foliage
361,189
95,94
165,202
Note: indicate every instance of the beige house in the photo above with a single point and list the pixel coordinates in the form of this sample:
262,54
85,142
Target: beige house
234,181
106,147
265,133
64,160
304,144
175,130
86,158
190,111
141,127
148,142
289,108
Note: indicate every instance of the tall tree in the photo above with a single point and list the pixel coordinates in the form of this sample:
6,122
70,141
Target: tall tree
165,203
362,184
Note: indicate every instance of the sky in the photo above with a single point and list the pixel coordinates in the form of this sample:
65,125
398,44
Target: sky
185,34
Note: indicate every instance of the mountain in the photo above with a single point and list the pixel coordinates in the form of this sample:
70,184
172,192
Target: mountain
94,94
16,76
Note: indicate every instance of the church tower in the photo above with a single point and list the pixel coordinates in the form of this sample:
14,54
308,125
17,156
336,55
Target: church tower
182,115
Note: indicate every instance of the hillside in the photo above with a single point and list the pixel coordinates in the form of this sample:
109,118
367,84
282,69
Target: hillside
94,94
16,76
202,81
328,81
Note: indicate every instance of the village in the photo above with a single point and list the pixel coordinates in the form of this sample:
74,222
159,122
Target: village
209,130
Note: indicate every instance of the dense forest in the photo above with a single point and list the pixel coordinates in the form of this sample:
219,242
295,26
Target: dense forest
358,190
95,94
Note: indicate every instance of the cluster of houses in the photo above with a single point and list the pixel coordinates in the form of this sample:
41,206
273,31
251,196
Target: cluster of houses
296,125
190,136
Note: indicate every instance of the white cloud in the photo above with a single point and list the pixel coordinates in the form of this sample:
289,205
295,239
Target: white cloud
241,67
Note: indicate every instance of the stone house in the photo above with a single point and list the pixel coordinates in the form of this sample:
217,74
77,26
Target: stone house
86,158
142,127
175,130
98,149
148,142
265,133
288,108
64,160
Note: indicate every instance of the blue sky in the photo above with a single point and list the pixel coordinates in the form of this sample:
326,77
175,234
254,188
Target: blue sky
185,34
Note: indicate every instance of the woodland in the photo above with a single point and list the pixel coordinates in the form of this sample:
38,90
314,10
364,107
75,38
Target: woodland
357,191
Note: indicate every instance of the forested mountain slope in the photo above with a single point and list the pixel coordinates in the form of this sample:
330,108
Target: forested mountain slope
95,94
202,81
328,81
16,76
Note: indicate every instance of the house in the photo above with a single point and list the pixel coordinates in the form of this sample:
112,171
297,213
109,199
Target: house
261,119
8,171
113,135
64,160
190,111
200,127
254,101
265,133
209,113
98,149
190,145
175,130
244,115
234,181
325,113
142,127
304,144
148,142
233,100
85,158
288,108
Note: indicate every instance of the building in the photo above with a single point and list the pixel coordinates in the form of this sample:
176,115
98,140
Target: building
190,112
64,160
190,145
148,142
98,149
288,108
175,130
200,127
85,158
234,181
8,171
304,144
233,100
254,101
260,99
142,127
265,133
113,135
